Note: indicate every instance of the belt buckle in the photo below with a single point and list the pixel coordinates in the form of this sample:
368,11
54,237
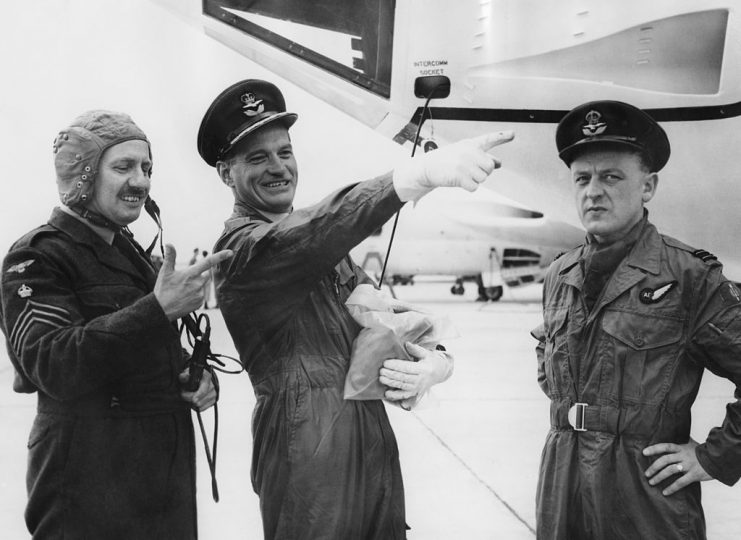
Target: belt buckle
577,412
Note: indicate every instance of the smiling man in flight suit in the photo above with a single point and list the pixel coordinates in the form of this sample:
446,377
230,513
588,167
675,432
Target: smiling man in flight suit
89,327
631,320
324,467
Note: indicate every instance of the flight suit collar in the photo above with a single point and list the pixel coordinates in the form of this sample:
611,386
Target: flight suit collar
646,254
108,255
645,257
242,210
570,269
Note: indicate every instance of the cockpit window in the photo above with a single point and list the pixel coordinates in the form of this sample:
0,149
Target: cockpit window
350,38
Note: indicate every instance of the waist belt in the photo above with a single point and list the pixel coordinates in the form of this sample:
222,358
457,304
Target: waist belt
584,417
108,405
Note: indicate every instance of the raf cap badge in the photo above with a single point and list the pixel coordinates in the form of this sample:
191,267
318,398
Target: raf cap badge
251,106
24,291
20,267
652,296
593,126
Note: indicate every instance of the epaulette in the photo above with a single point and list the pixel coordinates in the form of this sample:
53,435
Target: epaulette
705,256
27,239
702,254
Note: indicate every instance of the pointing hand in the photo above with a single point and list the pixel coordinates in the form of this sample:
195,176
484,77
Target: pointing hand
181,291
464,164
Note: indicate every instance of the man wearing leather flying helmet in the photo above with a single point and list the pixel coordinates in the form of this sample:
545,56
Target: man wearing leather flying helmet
323,467
89,328
631,319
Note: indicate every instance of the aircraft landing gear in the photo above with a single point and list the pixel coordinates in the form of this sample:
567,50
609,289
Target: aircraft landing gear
487,294
457,289
494,293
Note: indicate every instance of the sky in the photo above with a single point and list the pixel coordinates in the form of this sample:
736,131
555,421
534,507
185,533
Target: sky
60,58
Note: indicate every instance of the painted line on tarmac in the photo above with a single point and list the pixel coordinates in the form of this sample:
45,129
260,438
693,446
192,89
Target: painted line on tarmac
475,475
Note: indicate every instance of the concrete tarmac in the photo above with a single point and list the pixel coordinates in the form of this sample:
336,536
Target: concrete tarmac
469,455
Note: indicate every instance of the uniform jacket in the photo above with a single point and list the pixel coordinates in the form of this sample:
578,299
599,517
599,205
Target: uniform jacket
637,359
111,451
324,468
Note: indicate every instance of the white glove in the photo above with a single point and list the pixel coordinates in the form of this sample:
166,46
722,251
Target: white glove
464,164
410,380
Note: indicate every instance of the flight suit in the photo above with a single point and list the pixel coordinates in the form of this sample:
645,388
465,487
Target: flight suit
635,361
324,467
111,450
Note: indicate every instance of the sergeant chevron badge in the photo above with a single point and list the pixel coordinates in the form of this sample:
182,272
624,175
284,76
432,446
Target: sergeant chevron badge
652,296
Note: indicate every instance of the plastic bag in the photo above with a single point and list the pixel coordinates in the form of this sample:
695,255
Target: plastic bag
387,323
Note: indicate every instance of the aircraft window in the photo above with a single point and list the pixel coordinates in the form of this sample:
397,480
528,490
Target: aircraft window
350,38
682,54
513,257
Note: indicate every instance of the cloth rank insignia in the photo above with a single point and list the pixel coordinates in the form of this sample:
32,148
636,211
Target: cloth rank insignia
37,313
705,256
24,291
652,296
20,267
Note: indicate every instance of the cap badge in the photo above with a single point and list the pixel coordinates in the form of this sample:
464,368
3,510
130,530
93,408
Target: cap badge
251,105
24,291
593,126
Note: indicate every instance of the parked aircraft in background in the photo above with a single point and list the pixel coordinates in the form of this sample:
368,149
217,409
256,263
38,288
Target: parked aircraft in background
519,64
480,237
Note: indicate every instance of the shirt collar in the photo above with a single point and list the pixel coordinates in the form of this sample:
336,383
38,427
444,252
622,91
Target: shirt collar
105,233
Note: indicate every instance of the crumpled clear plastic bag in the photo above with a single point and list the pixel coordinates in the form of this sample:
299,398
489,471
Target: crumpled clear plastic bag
387,323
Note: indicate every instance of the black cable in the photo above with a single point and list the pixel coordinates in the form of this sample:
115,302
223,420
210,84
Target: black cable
425,109
198,331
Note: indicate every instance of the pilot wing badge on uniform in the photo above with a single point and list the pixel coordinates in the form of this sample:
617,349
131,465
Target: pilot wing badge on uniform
652,296
20,267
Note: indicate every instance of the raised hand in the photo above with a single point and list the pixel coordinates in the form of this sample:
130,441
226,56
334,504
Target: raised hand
464,164
181,291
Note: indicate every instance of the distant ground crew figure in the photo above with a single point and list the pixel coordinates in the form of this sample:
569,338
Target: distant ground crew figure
89,327
323,466
208,287
631,320
194,258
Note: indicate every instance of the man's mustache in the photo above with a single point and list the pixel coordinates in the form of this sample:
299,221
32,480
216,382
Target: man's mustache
134,192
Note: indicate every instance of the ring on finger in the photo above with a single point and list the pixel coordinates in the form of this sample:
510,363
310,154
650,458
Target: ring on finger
680,468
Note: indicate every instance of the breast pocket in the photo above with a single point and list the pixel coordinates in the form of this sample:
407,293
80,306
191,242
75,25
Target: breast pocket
102,299
645,351
557,367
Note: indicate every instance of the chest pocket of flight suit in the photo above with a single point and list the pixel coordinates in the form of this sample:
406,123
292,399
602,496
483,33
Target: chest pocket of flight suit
643,351
556,352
